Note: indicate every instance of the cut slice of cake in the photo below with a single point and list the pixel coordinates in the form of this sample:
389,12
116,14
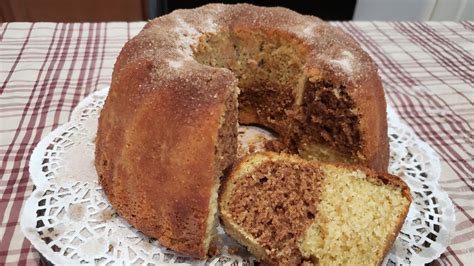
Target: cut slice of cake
289,211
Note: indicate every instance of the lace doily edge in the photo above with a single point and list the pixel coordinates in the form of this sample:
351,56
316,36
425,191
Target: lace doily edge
41,182
447,208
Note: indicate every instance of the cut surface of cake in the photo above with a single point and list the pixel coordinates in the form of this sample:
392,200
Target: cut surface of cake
289,211
168,128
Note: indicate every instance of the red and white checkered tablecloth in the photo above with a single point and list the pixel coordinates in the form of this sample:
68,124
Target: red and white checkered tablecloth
47,68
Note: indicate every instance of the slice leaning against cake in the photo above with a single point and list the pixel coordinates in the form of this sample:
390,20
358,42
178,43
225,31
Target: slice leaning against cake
289,211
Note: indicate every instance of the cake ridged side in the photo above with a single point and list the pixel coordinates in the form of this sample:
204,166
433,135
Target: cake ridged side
156,162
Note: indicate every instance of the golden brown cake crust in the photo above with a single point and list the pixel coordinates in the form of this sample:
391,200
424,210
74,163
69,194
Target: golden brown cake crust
158,170
158,128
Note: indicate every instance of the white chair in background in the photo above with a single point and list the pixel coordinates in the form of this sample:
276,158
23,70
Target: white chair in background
414,10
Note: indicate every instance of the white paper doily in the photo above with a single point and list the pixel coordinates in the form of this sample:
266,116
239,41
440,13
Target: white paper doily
69,220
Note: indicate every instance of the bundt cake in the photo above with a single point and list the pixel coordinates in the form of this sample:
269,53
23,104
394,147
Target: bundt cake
312,212
168,127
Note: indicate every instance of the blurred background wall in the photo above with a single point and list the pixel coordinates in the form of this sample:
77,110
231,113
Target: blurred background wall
73,10
414,10
133,10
